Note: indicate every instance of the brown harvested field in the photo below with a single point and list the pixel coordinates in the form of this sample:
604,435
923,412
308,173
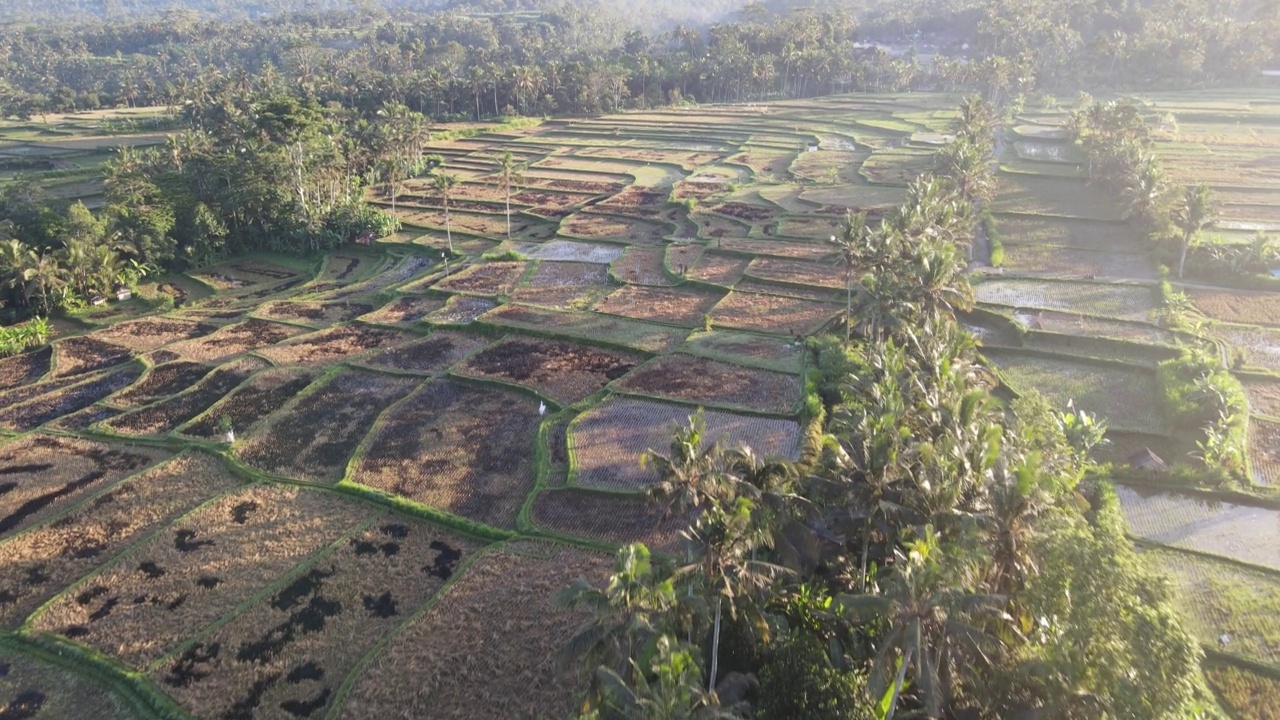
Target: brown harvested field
608,440
1248,308
491,278
326,346
313,313
404,311
22,370
827,275
461,310
161,381
719,269
485,651
341,267
1264,395
234,340
772,313
567,297
198,569
82,419
766,163
261,396
564,371
608,517
747,212
683,257
1259,347
717,227
313,438
465,449
593,225
23,393
673,306
702,380
563,273
164,416
429,356
589,326
53,405
1248,695
778,248
79,355
287,655
642,266
806,292
148,334
764,351
1264,451
241,273
39,563
43,475
636,201
37,689
796,226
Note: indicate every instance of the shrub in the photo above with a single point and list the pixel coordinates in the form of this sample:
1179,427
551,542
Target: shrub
798,681
18,339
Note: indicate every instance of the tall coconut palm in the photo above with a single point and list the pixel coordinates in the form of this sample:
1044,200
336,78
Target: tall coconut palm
1144,190
851,245
936,629
510,174
626,616
726,537
690,474
15,259
667,690
444,183
1193,213
43,277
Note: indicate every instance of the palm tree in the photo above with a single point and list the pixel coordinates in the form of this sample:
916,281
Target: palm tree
1144,190
626,615
968,167
935,628
510,173
15,259
1193,213
444,183
851,246
726,536
690,474
43,276
669,690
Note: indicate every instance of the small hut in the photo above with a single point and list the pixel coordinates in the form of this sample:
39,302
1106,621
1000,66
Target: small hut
1147,460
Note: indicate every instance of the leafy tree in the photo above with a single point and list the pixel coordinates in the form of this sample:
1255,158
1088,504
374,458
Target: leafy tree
1194,212
799,681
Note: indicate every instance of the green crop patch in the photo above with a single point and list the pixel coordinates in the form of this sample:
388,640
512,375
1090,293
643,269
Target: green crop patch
1054,197
897,166
1225,605
608,441
1074,234
1068,262
1127,398
461,448
1246,694
198,569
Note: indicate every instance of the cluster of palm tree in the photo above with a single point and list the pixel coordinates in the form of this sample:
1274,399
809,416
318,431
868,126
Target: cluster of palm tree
1116,140
89,261
920,561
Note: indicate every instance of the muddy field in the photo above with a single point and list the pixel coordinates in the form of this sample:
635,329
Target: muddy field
564,371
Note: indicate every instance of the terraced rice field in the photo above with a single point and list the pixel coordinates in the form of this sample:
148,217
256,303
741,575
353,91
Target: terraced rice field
313,488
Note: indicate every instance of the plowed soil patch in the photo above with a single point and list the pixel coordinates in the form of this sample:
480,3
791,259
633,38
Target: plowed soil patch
564,371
